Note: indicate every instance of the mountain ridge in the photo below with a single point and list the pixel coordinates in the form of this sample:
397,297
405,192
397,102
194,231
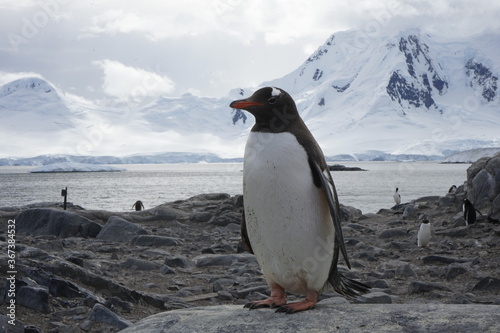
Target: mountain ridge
399,93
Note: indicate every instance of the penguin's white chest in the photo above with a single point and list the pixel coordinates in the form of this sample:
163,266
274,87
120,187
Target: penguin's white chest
424,235
287,216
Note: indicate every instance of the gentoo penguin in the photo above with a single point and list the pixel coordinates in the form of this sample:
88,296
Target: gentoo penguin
291,210
452,189
138,205
424,234
469,212
397,197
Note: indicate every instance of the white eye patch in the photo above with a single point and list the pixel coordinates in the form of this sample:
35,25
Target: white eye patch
275,92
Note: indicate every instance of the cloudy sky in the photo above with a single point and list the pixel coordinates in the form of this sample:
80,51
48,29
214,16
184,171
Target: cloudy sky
111,51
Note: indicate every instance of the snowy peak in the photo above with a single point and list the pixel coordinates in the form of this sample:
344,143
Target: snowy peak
395,91
28,85
482,80
420,80
29,94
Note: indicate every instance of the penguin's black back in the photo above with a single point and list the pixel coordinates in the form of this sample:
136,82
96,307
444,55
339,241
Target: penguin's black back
469,212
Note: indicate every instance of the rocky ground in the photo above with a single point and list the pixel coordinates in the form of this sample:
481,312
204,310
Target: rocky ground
98,271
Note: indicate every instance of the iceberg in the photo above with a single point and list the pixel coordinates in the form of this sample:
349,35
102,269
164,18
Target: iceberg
75,167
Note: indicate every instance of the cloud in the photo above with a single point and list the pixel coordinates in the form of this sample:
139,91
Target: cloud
130,84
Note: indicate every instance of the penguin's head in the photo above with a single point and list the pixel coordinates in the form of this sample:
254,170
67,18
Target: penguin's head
272,107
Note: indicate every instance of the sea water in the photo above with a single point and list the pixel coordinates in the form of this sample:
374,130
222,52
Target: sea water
156,184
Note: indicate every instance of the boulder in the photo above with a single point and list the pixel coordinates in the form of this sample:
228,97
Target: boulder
117,229
140,265
327,317
101,314
483,185
178,261
423,286
59,223
224,259
393,233
33,297
13,327
226,217
155,241
488,284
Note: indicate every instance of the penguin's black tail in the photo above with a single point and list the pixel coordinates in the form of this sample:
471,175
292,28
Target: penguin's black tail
347,287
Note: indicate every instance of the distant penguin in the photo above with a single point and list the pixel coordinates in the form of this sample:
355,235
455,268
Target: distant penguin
452,189
397,197
138,205
469,212
424,234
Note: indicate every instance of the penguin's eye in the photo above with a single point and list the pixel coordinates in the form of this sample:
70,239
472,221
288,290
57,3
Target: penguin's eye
272,100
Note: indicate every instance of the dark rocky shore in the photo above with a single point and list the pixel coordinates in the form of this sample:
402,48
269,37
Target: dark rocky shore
97,271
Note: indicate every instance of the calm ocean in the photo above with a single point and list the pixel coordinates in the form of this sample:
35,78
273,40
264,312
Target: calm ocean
160,183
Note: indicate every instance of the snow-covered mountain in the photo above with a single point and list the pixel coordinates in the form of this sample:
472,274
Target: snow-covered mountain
404,93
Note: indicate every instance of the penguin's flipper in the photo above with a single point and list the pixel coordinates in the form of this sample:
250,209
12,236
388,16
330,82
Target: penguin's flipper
244,235
333,203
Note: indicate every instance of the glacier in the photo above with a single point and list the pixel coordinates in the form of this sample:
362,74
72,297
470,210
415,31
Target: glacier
400,95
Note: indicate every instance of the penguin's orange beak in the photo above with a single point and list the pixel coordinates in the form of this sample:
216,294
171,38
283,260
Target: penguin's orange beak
242,104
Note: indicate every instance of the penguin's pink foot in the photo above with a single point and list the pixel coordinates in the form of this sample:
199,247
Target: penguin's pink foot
308,303
277,299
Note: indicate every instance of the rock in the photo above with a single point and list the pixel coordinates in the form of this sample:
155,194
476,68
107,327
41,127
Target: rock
488,284
444,260
340,167
201,216
410,211
422,287
348,213
57,286
379,283
455,232
101,314
5,326
140,265
210,197
360,227
32,329
224,295
33,297
223,259
483,179
243,293
459,299
117,229
376,297
458,221
453,270
448,201
405,271
60,223
179,261
221,284
327,318
164,269
495,209
393,233
225,218
155,241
